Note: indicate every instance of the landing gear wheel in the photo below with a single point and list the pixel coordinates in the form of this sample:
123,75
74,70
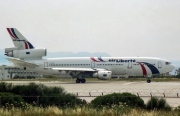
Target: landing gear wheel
83,80
148,81
78,80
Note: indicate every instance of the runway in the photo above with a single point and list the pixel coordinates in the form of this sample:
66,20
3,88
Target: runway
168,90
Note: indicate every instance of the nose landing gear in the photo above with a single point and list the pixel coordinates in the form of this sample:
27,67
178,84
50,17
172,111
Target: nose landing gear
148,81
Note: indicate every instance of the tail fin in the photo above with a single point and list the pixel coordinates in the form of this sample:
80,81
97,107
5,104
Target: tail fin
19,40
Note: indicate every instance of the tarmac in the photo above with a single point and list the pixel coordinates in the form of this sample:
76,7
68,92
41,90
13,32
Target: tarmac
89,90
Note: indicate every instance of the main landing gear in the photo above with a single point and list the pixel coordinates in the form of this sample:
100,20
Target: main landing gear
148,81
78,80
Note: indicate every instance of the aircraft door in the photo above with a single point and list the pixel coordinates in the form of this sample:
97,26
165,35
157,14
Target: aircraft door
92,64
45,64
159,64
129,64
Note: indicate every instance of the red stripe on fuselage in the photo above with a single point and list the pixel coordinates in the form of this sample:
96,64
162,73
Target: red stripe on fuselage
143,69
94,60
10,33
26,46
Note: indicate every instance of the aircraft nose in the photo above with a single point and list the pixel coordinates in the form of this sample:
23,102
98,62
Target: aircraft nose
172,67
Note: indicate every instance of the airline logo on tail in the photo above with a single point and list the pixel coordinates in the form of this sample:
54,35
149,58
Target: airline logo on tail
12,33
18,39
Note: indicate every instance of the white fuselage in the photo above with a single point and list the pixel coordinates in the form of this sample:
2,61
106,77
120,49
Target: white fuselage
128,66
100,67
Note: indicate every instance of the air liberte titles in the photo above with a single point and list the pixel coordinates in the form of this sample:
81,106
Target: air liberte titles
121,60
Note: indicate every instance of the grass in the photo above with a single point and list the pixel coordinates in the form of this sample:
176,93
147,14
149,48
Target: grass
86,110
83,111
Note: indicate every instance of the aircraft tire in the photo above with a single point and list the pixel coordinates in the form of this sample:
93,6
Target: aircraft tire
148,81
78,80
83,80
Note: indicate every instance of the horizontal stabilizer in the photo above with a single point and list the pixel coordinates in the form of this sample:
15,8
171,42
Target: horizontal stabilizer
22,63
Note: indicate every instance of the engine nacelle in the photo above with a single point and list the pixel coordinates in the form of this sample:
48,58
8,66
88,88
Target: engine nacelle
27,53
103,75
7,50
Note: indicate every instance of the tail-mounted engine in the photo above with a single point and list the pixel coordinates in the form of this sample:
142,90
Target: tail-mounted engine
26,53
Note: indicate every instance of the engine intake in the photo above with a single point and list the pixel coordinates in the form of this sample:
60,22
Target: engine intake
103,75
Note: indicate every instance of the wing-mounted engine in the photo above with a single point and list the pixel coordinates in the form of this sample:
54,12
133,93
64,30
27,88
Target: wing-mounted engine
103,75
25,53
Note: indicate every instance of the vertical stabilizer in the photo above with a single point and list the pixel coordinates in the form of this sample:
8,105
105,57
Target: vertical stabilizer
19,40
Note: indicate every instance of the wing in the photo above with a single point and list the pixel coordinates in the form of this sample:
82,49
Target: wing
32,65
22,63
75,69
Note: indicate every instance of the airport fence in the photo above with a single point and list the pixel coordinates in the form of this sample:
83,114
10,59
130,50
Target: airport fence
172,96
173,101
170,93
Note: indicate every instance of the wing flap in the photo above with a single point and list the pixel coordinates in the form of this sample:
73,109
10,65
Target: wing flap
22,63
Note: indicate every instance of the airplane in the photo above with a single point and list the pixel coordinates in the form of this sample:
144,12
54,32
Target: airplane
27,57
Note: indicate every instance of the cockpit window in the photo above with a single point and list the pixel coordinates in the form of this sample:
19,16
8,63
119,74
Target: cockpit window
168,63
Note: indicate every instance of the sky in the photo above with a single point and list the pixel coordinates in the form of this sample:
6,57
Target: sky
121,28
